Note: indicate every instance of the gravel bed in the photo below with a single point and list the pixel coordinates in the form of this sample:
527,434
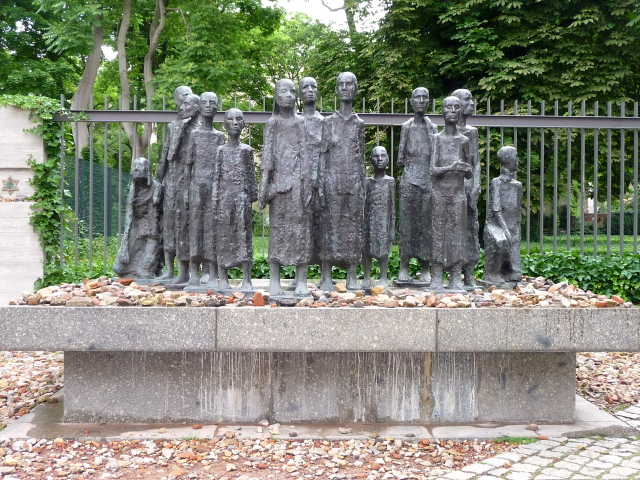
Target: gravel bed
532,292
610,380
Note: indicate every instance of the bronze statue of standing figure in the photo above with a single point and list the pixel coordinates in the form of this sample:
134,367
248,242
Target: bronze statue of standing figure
234,191
172,173
202,236
342,186
502,230
286,186
414,157
471,185
313,130
379,218
450,165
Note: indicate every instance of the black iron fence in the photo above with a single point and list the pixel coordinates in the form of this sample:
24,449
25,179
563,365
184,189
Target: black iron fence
578,165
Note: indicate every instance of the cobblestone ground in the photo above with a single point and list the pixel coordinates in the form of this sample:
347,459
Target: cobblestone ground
631,416
560,458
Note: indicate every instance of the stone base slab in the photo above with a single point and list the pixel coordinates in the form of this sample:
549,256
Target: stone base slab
237,387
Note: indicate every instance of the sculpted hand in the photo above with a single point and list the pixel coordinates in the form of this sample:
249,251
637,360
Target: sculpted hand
125,256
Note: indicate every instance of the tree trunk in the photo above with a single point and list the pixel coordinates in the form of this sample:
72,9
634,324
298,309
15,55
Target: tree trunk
351,21
80,100
157,25
139,143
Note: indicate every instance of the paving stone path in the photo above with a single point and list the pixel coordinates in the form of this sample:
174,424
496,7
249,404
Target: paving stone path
631,416
560,458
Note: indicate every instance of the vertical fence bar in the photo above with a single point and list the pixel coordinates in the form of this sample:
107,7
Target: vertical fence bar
377,126
515,130
596,133
501,128
364,105
488,159
105,191
62,196
622,182
76,206
528,226
583,177
150,127
555,181
609,113
635,183
134,137
542,105
263,226
568,219
91,188
392,139
120,174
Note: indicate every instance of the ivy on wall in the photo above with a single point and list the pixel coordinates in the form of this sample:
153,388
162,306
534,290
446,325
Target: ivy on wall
48,208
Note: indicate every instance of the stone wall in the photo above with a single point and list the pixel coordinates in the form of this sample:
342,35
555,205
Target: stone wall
21,256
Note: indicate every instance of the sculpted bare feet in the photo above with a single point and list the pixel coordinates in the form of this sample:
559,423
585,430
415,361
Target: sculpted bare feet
404,277
168,275
301,290
179,279
275,289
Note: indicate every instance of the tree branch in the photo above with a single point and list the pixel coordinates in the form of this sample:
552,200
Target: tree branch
157,26
184,20
331,9
123,67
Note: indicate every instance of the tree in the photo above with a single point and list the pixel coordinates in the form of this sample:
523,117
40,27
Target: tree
26,64
511,49
77,29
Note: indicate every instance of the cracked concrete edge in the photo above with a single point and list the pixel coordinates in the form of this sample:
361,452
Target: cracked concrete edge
45,421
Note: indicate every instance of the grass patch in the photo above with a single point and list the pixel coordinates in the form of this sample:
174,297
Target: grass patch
516,440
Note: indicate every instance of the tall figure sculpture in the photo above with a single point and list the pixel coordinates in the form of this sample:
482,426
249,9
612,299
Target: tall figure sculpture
502,230
379,218
140,243
202,241
414,157
286,187
313,130
342,185
450,165
472,185
167,174
234,190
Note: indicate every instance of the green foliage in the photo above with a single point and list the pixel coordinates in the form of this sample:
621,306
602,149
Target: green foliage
525,49
602,275
26,64
48,208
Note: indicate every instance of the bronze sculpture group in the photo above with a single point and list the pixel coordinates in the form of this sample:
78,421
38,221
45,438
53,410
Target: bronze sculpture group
322,207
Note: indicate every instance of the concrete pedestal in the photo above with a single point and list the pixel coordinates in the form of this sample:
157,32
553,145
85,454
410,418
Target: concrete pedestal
318,387
243,364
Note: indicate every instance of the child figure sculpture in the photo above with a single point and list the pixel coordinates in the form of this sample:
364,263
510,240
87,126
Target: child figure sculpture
140,244
379,217
450,165
502,230
234,190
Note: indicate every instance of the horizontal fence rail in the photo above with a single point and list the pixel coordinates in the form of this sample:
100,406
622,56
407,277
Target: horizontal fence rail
578,167
379,119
